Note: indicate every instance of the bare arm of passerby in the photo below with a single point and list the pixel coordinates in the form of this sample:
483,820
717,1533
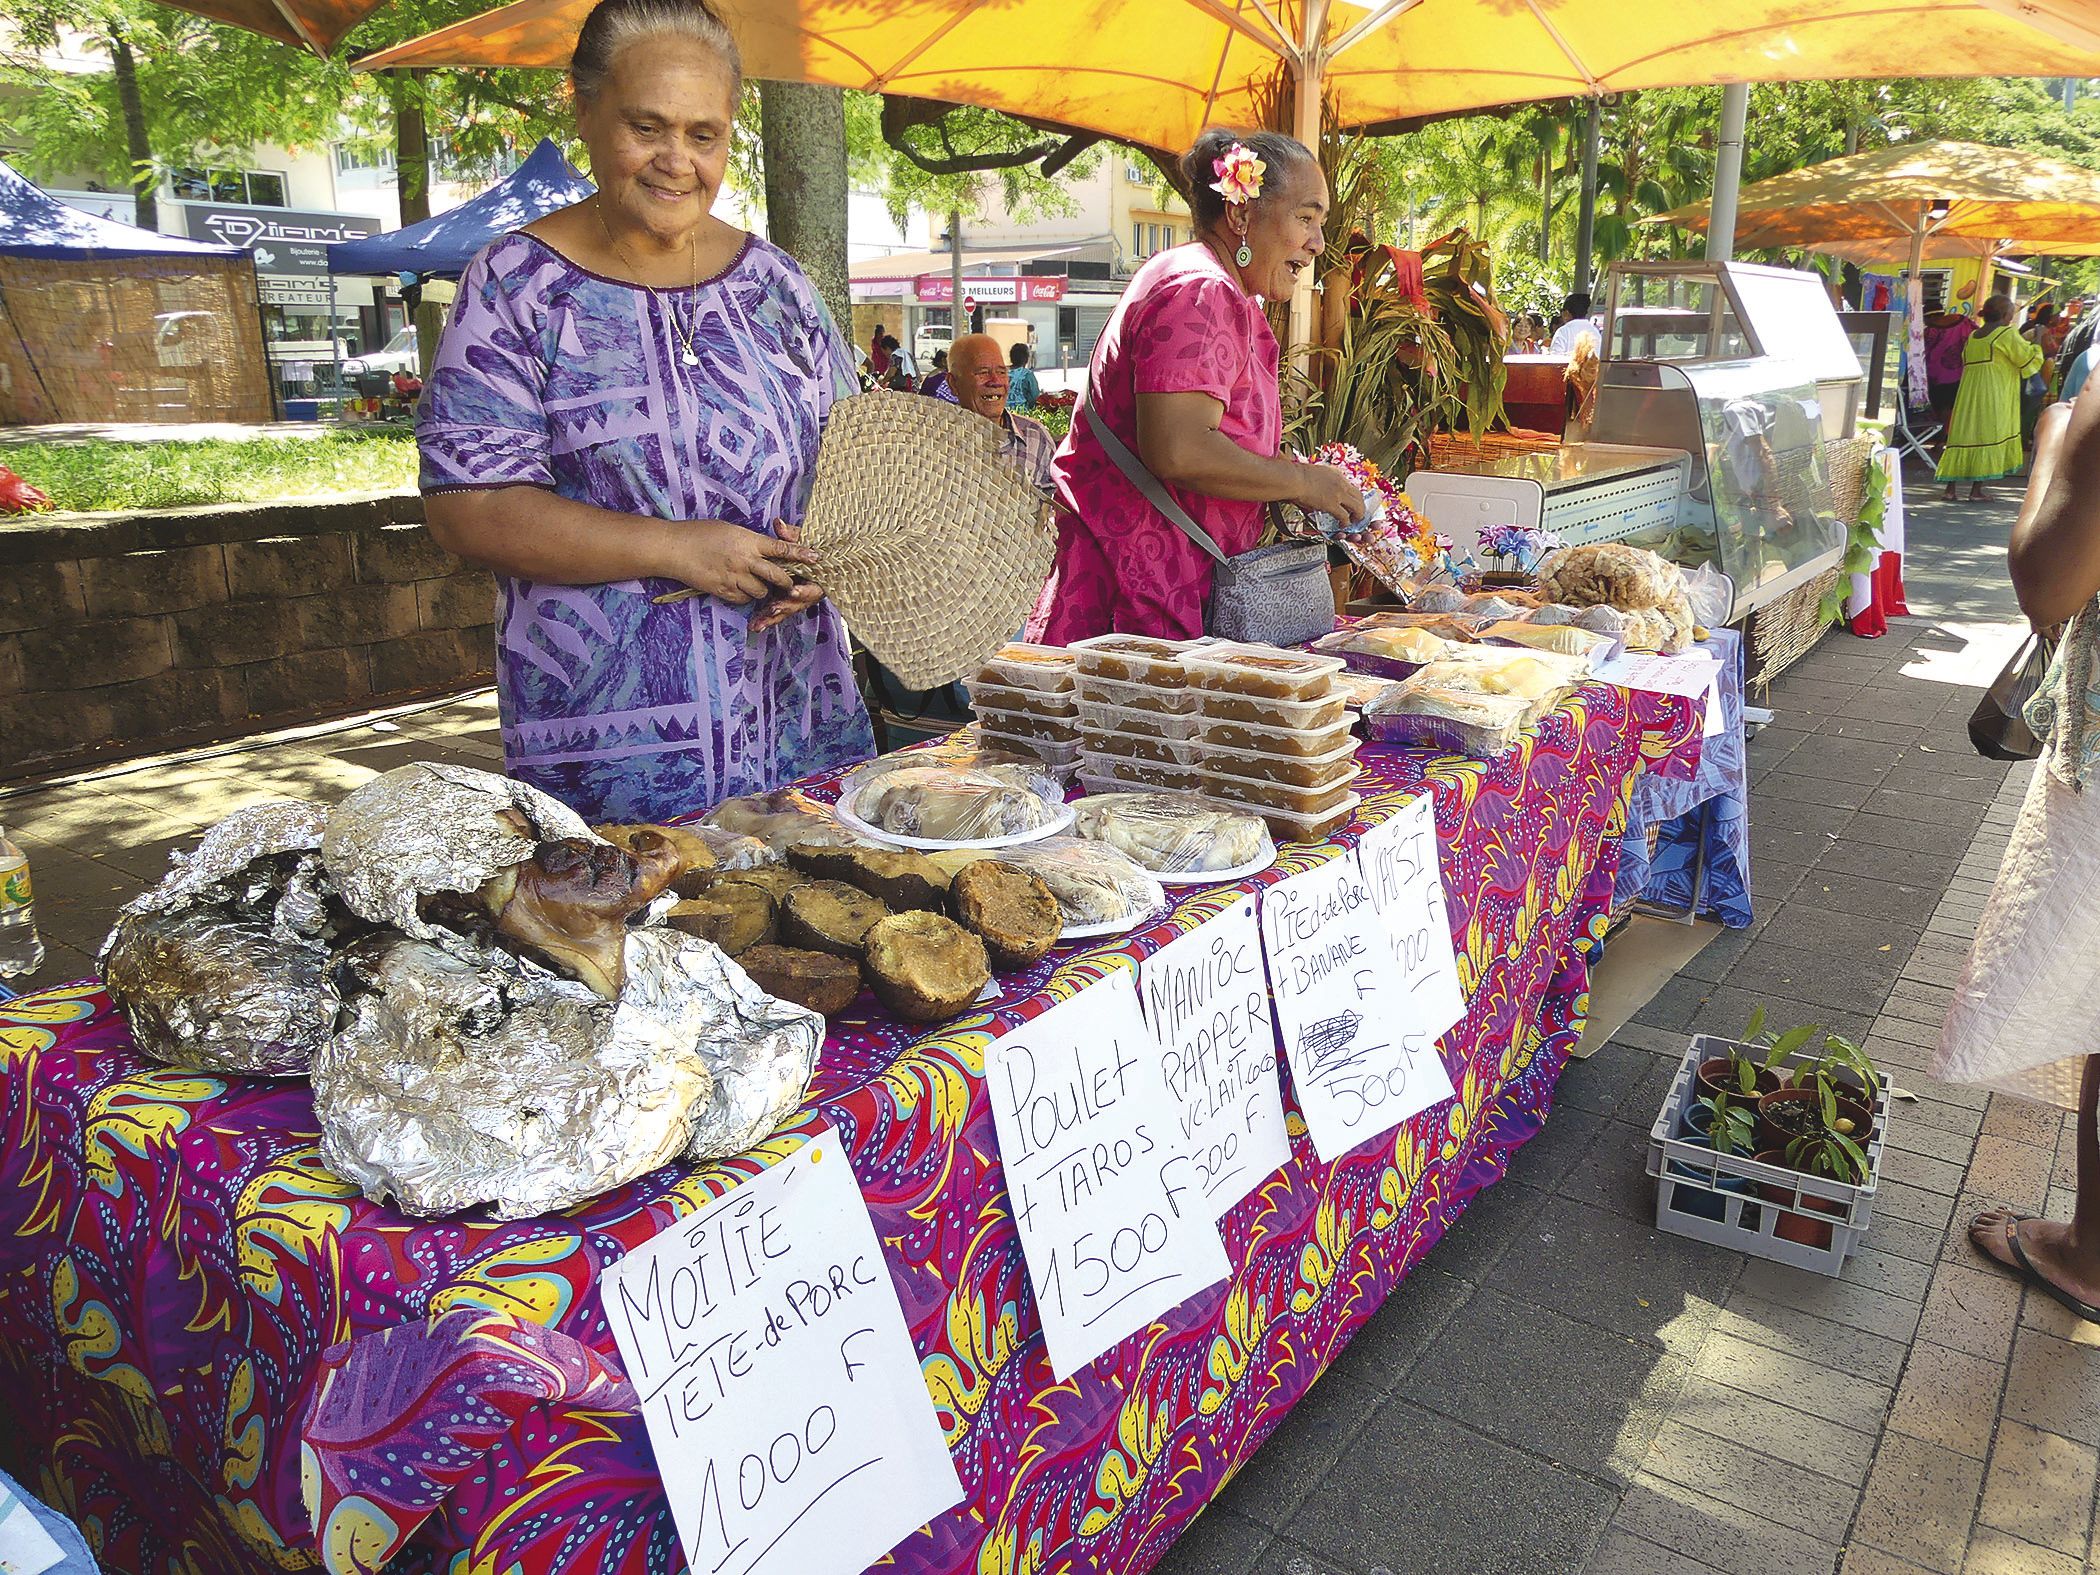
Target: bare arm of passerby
533,534
2055,555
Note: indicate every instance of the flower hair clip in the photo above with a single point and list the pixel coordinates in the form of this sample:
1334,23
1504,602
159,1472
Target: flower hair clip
1239,171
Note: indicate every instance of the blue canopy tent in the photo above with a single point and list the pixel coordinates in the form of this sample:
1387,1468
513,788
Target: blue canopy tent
104,321
441,247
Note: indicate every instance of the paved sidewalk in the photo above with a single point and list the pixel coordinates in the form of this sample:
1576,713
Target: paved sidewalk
1560,1387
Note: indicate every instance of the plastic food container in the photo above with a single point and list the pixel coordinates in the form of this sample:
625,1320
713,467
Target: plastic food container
1304,715
1133,659
1137,697
1295,743
1061,759
1024,702
1141,746
1286,826
1022,666
1223,767
1268,672
1095,717
1265,796
1114,774
1033,729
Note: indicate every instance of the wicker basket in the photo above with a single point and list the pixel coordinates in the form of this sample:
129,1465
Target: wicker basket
1782,632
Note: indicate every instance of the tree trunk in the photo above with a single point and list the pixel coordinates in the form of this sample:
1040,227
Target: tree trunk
412,187
1546,200
137,146
804,129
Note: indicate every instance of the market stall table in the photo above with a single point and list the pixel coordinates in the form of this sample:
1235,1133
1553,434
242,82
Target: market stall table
180,1269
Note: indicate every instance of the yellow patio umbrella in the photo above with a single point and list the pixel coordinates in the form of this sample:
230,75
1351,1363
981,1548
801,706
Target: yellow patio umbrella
1918,197
1158,71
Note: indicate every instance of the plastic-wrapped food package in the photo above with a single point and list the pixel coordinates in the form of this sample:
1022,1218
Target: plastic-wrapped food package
1439,599
943,804
1566,639
1175,834
1364,690
1440,714
1611,574
780,819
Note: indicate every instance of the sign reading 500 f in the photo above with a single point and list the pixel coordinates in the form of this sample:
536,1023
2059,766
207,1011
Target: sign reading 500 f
284,240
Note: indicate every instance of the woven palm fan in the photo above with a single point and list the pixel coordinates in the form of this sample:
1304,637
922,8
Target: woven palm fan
929,543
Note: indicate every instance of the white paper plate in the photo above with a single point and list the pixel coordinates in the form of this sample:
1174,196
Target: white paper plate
844,810
1108,927
1254,866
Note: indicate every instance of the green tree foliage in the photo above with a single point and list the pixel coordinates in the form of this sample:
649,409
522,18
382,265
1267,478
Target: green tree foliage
1513,180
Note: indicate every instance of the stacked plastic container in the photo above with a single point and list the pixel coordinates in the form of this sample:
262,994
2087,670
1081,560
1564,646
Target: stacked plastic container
1137,714
1026,699
1274,735
1257,726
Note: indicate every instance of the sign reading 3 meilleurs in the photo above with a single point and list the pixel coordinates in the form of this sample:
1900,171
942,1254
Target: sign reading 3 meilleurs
284,240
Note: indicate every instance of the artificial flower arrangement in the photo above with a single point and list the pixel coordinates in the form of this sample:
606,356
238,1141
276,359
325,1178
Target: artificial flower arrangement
1395,544
1516,548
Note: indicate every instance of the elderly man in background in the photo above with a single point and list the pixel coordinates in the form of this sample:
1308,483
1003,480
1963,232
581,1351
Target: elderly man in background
977,375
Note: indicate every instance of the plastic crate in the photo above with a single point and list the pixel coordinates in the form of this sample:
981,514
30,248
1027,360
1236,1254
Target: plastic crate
1728,1199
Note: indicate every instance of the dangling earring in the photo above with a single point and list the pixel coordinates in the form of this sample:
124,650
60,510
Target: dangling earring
1245,254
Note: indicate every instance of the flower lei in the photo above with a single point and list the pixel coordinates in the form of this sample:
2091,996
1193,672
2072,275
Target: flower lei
1394,542
1239,173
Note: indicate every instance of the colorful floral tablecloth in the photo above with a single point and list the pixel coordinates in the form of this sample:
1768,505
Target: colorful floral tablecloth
177,1266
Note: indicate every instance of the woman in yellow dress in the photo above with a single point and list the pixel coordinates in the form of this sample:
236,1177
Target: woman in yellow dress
1983,438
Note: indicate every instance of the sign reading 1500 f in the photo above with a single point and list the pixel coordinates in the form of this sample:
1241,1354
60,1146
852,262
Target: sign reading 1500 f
284,240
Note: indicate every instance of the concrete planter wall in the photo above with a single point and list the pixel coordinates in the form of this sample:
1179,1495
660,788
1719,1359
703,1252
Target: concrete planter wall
125,633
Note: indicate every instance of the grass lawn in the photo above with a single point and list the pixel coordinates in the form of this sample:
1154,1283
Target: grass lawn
102,475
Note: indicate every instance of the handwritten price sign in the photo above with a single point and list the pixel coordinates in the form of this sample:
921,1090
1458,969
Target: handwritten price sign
1400,863
1112,1219
780,1387
1359,1068
1207,1003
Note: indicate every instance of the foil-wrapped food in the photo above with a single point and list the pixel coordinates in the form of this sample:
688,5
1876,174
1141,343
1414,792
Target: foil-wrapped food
223,966
491,1006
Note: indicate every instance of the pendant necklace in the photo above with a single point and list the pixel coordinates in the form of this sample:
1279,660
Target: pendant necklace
682,331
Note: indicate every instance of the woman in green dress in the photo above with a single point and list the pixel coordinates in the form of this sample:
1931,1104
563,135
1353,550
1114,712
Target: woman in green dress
1983,438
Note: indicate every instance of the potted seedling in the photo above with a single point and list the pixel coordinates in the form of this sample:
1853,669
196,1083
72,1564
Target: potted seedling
1828,1154
1851,1071
1810,1107
1740,1073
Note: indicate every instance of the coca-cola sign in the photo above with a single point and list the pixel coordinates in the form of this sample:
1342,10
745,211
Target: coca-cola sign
939,287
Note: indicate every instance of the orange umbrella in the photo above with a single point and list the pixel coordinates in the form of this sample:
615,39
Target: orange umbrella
1158,71
318,25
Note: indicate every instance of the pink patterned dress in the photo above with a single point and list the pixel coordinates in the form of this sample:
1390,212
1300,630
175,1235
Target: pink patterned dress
1184,325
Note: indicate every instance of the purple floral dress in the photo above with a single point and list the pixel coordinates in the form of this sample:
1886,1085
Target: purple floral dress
552,376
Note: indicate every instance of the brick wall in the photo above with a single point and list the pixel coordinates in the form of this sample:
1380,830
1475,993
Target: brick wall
125,633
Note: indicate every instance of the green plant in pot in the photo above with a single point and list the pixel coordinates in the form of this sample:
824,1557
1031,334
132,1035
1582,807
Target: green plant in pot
1823,1153
1851,1070
1819,1102
1743,1074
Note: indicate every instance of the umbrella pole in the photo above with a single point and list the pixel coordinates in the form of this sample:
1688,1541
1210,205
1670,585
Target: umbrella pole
1908,439
1306,127
1728,172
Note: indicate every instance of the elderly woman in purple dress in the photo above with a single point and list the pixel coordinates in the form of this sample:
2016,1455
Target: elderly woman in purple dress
627,402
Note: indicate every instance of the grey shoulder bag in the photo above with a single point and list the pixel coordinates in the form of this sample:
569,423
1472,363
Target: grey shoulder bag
1276,595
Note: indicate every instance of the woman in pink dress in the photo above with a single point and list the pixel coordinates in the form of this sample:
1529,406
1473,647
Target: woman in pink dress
1185,375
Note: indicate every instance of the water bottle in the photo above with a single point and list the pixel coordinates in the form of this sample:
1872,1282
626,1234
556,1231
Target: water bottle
21,950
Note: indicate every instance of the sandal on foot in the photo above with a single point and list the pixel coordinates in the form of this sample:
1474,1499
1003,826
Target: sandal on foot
2034,1276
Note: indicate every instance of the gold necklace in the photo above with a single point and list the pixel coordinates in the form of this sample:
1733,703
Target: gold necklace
685,331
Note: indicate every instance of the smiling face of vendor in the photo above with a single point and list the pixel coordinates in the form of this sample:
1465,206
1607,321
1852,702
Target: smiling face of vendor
1285,228
656,91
